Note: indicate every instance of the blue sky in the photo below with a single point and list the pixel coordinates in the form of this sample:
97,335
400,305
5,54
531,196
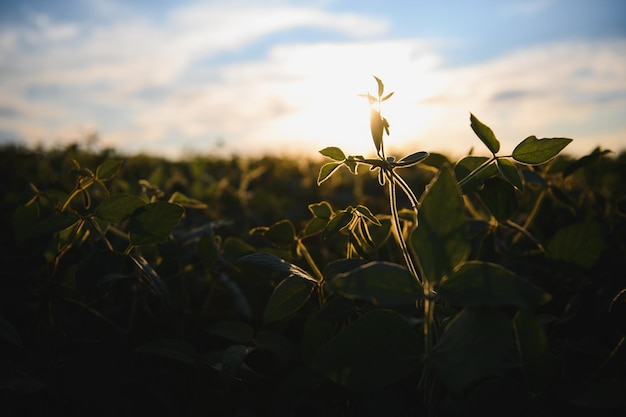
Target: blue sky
252,77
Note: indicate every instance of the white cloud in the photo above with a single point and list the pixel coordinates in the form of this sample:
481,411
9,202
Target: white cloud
147,86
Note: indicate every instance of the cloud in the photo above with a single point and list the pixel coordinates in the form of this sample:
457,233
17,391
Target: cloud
183,82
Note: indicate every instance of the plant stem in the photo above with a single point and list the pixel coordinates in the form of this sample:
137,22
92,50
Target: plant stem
476,170
398,228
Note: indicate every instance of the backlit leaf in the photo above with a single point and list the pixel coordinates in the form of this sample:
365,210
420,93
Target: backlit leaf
510,173
323,210
326,171
334,153
579,243
377,127
535,151
485,134
108,169
282,233
470,165
154,222
118,207
440,241
412,159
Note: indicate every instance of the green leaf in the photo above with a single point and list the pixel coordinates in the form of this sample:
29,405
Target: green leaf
510,173
154,222
314,227
236,331
413,159
288,297
470,164
108,169
532,344
580,243
499,198
55,223
341,219
323,210
118,207
176,349
485,134
383,283
376,350
380,234
477,283
334,152
472,346
377,127
282,234
327,170
440,241
365,212
535,151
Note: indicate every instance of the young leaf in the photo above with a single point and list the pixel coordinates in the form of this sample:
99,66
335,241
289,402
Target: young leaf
154,222
510,173
322,210
441,240
326,171
365,212
387,97
118,207
363,357
341,219
383,283
282,233
535,151
381,86
288,297
334,153
377,127
413,159
107,169
470,164
485,134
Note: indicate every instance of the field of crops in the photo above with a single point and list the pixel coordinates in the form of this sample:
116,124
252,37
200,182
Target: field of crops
276,287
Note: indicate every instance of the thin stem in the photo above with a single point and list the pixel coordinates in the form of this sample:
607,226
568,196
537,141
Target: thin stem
398,229
476,170
532,214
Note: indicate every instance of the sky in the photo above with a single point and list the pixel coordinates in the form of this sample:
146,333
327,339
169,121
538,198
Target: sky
282,77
